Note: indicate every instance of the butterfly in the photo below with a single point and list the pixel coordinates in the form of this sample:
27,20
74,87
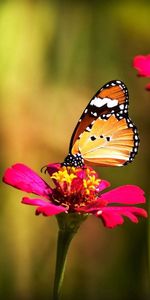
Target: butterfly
104,134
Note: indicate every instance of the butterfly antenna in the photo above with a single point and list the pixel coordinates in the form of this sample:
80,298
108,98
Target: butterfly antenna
44,167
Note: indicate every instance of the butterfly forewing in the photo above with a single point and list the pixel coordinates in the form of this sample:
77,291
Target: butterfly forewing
111,98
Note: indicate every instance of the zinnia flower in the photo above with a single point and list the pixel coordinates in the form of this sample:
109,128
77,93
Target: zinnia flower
77,190
142,64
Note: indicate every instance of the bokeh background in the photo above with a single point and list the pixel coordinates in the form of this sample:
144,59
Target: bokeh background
54,55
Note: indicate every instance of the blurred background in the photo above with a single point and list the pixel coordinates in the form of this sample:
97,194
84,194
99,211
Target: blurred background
54,55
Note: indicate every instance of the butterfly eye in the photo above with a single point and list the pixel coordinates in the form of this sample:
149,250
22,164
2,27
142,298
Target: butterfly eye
93,138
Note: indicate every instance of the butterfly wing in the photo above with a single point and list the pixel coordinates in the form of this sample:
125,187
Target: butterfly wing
111,98
105,135
110,142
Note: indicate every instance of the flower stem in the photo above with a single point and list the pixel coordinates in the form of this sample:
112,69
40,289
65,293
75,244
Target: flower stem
63,242
68,226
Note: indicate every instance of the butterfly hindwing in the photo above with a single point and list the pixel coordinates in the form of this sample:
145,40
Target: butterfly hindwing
111,98
110,142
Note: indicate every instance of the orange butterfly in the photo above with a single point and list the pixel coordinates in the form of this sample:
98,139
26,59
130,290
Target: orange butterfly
104,135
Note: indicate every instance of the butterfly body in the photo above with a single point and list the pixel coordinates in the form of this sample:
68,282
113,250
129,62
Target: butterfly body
105,135
74,160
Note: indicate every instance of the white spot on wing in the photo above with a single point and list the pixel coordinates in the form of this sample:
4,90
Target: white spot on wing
130,125
99,102
112,103
121,106
95,114
88,128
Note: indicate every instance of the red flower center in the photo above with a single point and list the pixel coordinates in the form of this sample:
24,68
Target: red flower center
75,187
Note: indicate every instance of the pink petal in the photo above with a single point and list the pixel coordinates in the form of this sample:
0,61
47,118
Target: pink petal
92,207
127,194
34,201
142,64
50,210
52,168
113,216
103,185
47,209
23,178
109,218
148,87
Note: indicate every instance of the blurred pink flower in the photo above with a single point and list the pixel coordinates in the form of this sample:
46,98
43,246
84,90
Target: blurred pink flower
142,64
77,190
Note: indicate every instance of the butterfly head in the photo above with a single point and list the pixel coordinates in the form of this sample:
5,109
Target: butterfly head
73,160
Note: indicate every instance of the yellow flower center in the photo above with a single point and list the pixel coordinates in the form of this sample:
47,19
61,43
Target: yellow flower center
79,183
90,184
66,174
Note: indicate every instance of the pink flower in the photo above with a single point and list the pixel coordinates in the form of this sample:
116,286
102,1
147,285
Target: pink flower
77,190
142,64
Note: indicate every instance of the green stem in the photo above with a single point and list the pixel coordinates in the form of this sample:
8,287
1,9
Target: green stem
63,242
68,226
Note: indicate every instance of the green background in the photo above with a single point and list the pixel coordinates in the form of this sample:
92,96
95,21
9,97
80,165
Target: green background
54,55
